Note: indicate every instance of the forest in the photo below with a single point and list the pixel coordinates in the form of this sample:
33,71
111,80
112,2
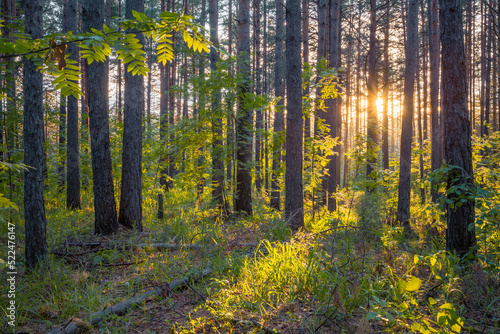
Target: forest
237,166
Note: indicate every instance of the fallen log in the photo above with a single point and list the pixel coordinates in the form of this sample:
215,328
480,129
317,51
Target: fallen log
122,307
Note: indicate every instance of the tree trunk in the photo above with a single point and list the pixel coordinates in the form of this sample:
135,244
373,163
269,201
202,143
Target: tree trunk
372,127
164,87
294,211
434,45
130,214
34,209
217,162
243,200
333,114
259,118
61,168
385,117
279,121
460,234
104,199
404,194
305,60
72,148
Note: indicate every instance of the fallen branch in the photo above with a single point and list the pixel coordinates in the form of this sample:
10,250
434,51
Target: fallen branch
264,328
99,246
123,307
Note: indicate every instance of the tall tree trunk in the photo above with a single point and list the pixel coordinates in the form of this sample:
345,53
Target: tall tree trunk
294,204
487,90
305,60
164,87
171,103
119,74
372,127
279,121
424,72
259,118
243,200
34,209
333,116
323,42
230,108
385,116
434,45
460,234
130,214
104,199
267,111
61,168
217,162
72,147
404,193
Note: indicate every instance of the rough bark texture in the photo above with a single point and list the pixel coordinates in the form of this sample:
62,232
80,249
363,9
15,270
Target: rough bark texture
385,113
279,120
34,209
72,147
164,82
259,117
460,234
130,214
434,44
333,115
294,211
61,168
372,93
404,193
217,151
104,199
305,59
243,200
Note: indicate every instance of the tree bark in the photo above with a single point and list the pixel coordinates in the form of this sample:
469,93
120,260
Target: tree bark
404,193
130,214
72,147
294,211
61,168
104,200
279,121
243,200
34,209
333,110
259,118
434,45
460,234
372,127
217,162
385,115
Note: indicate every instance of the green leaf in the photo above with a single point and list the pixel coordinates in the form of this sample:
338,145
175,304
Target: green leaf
371,315
432,301
413,284
3,264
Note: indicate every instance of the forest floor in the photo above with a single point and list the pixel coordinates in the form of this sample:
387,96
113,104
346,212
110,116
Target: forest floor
348,272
